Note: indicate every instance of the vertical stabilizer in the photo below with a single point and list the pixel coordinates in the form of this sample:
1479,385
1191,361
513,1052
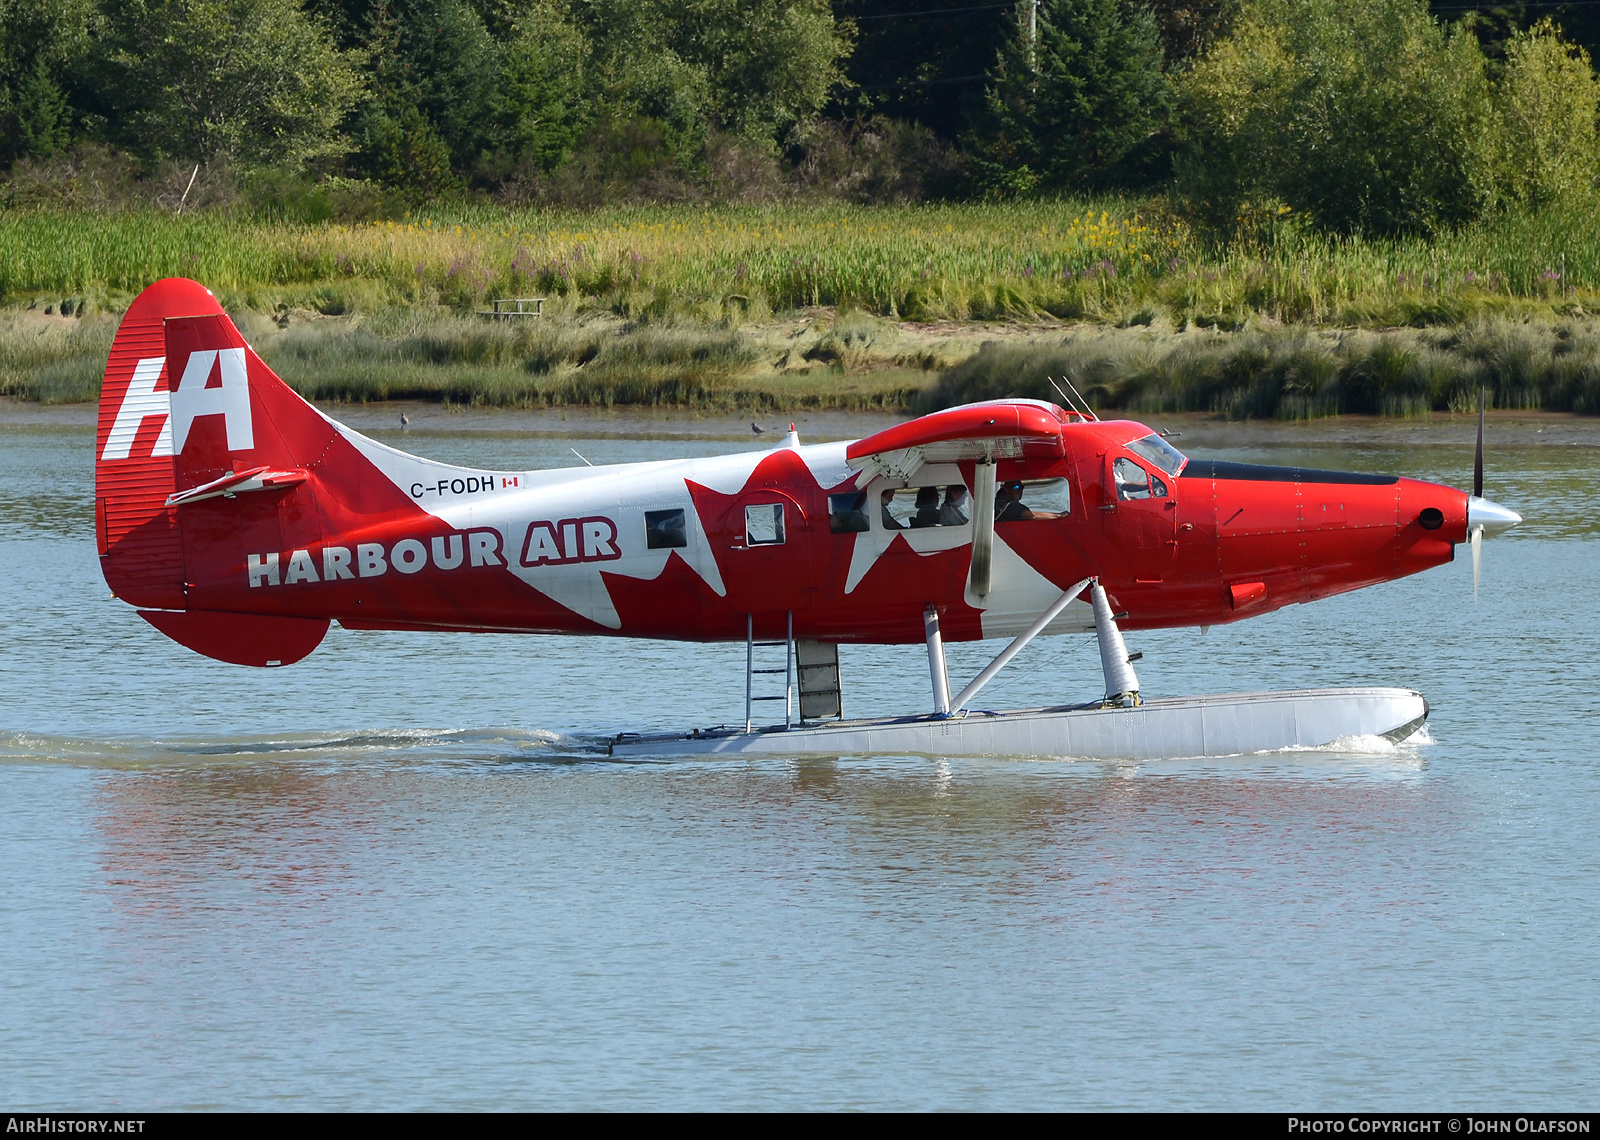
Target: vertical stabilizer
141,552
186,406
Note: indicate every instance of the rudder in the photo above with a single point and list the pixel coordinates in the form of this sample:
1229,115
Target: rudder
141,550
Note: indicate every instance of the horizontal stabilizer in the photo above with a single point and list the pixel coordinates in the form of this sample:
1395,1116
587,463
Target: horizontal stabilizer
241,639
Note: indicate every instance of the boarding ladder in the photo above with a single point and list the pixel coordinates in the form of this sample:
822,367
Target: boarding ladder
751,672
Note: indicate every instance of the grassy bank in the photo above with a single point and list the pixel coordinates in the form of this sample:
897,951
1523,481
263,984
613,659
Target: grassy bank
1105,260
857,361
842,307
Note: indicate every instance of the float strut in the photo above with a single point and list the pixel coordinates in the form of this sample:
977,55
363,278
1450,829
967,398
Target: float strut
936,666
1122,686
1022,639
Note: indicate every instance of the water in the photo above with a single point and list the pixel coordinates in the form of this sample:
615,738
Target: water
389,877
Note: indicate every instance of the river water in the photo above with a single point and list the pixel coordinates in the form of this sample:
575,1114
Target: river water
387,878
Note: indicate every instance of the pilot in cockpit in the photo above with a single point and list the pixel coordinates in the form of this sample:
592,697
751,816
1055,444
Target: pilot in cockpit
1008,505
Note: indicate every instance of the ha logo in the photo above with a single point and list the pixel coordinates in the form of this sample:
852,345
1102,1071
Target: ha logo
180,408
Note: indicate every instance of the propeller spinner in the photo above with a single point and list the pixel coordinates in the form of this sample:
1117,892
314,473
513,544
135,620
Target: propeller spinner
1483,516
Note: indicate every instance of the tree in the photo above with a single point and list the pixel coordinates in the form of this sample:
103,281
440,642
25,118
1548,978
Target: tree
544,103
769,64
39,44
1366,115
449,70
754,68
1073,91
1546,103
254,81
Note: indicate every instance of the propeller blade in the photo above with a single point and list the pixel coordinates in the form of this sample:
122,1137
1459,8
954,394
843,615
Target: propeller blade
1477,559
1477,463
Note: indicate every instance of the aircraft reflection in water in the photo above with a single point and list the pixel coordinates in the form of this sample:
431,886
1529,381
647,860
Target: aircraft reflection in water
242,521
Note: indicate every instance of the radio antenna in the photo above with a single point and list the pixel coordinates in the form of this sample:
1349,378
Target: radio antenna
1081,400
1070,404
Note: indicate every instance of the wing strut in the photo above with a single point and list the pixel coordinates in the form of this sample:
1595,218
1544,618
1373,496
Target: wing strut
983,492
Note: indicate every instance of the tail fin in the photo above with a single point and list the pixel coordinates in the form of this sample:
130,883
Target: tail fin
186,402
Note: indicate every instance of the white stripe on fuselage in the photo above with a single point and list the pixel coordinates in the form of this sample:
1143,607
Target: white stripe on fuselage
623,493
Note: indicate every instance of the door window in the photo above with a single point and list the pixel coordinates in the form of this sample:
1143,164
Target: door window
763,524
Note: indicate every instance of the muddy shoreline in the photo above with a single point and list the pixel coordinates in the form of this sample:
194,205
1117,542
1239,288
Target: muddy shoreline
1544,428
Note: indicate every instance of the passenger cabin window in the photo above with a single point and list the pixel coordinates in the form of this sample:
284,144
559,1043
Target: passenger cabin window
1134,482
847,513
1160,453
664,529
763,524
912,508
1019,501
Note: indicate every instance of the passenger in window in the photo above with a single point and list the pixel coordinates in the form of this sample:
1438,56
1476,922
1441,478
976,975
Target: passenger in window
889,521
1008,505
927,508
954,510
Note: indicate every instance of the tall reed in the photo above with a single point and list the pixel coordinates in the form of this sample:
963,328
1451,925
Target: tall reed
1108,260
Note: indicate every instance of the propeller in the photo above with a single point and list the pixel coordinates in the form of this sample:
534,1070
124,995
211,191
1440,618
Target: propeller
1483,517
1477,493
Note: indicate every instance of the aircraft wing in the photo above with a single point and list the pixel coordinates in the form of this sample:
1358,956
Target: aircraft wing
997,429
986,432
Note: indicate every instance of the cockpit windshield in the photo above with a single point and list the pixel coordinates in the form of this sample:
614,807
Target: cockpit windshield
1159,452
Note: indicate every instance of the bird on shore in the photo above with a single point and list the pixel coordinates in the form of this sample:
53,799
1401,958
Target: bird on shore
756,429
405,421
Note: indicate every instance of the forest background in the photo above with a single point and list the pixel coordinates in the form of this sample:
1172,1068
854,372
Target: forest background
1254,207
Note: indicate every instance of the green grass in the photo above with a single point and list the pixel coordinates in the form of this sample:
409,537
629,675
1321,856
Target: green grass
57,361
1107,260
682,305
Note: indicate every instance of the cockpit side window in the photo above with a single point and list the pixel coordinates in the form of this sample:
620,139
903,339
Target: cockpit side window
1133,481
1160,453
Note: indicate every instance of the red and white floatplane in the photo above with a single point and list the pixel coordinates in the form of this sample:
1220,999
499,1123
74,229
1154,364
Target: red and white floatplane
241,521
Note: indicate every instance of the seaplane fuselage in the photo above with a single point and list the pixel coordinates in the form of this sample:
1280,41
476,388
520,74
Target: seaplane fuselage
228,508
